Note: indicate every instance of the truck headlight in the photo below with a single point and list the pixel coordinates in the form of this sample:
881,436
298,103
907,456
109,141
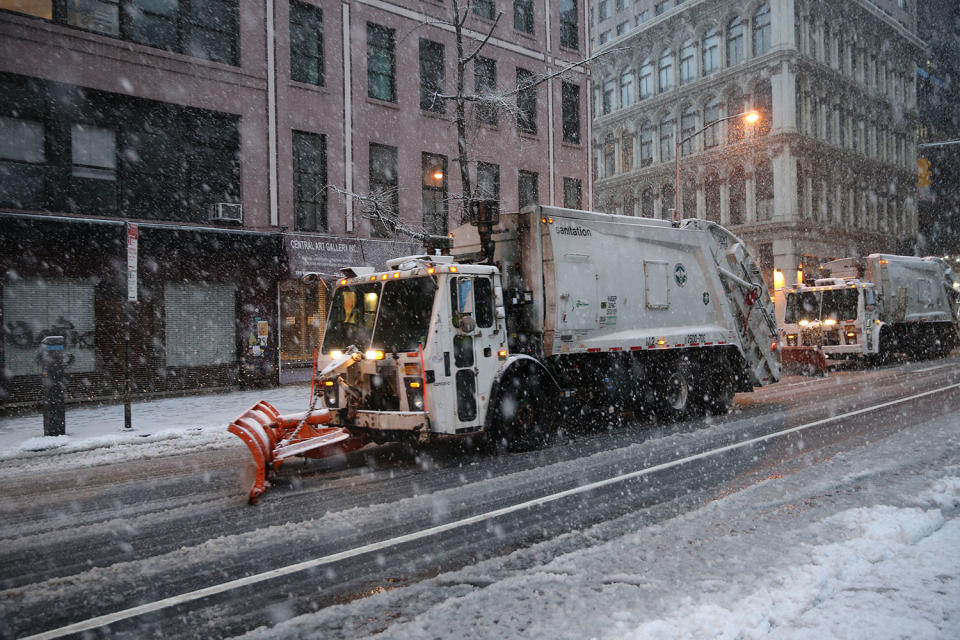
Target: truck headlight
850,336
414,388
331,396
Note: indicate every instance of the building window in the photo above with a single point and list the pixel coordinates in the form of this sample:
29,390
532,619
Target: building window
488,181
666,138
309,181
603,9
485,8
711,51
384,190
688,124
38,8
761,30
527,188
646,203
201,28
153,23
381,63
609,158
665,69
646,79
93,183
569,25
306,43
642,17
622,4
523,15
607,96
21,163
570,110
626,152
688,62
626,88
734,42
622,28
485,84
711,135
572,193
431,76
605,37
434,192
660,7
646,145
101,16
526,102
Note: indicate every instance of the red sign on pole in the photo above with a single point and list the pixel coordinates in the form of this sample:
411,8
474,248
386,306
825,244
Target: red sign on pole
133,235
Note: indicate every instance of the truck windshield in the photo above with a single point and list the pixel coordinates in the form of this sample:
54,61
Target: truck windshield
404,308
802,306
839,304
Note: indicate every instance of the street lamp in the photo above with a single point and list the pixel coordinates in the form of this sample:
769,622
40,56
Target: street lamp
750,117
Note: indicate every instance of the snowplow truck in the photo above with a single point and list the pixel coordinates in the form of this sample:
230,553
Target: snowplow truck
872,308
550,308
532,319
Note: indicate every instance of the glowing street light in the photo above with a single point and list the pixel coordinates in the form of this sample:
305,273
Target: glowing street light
749,117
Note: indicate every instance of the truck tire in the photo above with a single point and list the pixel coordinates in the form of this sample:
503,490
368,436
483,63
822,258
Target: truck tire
676,391
522,417
886,347
718,397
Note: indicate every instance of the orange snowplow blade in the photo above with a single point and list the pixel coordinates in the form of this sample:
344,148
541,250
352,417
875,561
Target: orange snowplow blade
272,438
804,361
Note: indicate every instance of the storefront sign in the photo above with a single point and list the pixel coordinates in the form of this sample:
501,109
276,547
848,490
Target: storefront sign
326,255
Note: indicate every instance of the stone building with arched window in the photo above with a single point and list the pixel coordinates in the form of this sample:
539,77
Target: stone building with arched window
830,168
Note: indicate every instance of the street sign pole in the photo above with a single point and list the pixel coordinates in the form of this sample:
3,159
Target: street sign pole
133,236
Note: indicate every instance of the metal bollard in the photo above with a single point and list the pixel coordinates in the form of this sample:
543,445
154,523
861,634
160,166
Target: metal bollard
54,386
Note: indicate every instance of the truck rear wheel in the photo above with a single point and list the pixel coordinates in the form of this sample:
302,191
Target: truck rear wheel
676,391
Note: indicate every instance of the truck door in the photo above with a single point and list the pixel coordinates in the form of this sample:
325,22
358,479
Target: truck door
474,342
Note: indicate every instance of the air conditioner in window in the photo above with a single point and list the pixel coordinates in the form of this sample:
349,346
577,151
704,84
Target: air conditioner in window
226,212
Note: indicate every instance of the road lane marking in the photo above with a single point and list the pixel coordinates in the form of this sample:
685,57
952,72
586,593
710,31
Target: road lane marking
280,572
939,366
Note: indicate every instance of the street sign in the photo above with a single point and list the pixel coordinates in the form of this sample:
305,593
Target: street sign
133,235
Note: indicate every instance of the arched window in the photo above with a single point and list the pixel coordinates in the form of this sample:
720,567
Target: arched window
763,104
646,203
646,79
666,138
711,197
626,152
711,113
688,62
736,103
609,158
763,188
734,41
626,88
646,145
688,124
711,51
761,30
667,199
738,196
665,70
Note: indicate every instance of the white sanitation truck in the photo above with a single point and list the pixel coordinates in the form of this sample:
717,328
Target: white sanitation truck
547,315
872,307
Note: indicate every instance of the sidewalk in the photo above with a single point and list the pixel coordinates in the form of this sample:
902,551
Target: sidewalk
92,427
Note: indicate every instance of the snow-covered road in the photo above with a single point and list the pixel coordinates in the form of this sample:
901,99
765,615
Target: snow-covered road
847,528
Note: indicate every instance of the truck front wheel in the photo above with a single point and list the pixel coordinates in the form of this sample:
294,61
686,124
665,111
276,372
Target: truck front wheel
522,416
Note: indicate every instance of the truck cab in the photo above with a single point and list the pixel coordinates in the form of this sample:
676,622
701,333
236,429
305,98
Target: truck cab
839,316
427,338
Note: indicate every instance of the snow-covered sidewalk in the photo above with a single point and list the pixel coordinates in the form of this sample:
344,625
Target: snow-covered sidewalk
165,422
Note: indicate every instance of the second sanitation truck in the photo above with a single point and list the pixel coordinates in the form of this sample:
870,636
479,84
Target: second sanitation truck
872,308
535,318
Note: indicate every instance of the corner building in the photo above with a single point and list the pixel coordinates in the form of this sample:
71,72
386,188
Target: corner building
241,137
828,171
